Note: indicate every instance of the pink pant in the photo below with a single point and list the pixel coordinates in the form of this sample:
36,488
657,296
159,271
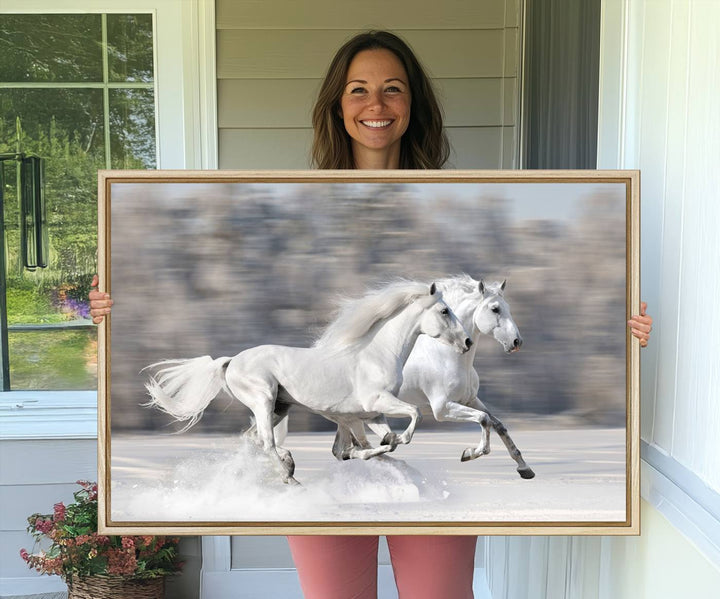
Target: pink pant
345,567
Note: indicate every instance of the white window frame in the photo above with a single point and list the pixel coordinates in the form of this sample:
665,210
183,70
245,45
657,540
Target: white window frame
186,130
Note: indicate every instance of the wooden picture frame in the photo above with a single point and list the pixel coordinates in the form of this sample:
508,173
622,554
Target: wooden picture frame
218,262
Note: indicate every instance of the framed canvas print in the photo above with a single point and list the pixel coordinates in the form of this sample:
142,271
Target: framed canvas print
369,352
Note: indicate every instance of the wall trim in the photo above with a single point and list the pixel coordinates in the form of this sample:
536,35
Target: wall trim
693,486
48,415
216,554
200,83
31,586
208,85
683,498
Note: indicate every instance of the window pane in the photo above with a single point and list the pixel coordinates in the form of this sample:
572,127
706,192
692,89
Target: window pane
132,128
50,48
130,47
49,117
53,359
65,127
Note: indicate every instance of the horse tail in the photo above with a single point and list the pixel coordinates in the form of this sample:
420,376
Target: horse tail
184,388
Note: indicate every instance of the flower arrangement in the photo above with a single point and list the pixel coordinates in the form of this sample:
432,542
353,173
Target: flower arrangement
77,550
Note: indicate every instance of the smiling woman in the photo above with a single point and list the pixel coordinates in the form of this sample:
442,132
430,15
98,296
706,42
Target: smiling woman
375,108
364,105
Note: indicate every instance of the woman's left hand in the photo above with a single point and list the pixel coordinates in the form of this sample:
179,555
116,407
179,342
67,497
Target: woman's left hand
641,325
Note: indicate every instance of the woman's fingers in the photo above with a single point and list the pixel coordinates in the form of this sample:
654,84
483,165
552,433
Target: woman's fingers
100,302
98,314
641,325
641,335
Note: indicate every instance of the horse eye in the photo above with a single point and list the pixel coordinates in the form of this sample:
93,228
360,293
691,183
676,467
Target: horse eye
496,309
445,311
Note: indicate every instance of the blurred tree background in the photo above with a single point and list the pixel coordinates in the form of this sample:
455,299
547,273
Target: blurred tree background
76,90
217,268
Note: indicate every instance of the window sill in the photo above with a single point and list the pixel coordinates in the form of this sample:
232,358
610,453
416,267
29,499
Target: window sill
679,494
48,415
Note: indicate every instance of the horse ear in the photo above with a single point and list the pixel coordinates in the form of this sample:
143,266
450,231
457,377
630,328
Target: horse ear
502,287
481,287
432,289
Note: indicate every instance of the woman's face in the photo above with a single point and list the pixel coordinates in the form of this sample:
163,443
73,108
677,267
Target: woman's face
375,105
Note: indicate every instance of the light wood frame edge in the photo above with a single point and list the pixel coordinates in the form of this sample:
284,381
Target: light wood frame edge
632,524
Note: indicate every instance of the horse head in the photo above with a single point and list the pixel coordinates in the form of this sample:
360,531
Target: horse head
439,321
492,316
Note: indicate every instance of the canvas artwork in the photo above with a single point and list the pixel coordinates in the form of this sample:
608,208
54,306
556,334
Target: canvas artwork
369,352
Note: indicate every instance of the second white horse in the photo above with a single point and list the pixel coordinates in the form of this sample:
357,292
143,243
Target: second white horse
447,380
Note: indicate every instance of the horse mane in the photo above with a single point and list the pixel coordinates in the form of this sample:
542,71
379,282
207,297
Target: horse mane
357,316
457,287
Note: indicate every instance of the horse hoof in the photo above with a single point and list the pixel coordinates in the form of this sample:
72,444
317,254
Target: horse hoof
389,439
289,464
292,481
526,473
467,455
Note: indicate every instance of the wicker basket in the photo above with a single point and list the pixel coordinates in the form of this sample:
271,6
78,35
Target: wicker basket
116,587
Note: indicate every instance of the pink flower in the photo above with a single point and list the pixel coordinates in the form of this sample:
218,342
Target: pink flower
121,562
44,526
59,509
53,565
72,554
128,543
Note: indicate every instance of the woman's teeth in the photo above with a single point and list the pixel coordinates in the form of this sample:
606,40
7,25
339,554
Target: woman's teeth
376,124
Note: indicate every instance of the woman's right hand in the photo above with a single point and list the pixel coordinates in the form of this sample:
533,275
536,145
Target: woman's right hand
100,302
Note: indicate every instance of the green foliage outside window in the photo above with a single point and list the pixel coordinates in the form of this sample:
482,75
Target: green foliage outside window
80,87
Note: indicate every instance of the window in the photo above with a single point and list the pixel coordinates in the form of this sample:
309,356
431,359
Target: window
78,91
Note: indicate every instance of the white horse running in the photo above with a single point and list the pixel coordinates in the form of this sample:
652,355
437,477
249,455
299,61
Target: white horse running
447,380
353,372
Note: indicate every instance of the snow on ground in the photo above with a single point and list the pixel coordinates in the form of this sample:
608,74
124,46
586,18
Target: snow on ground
580,476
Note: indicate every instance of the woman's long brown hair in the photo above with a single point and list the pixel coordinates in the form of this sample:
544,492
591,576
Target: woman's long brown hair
424,145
